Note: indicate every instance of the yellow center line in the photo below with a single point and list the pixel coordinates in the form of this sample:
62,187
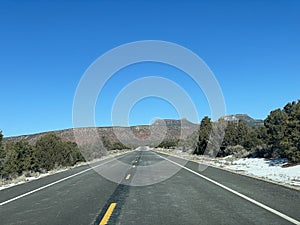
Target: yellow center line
127,177
108,214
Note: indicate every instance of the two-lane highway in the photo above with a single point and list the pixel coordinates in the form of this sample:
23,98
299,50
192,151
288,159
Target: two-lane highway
135,189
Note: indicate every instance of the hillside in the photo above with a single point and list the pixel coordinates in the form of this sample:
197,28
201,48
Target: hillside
249,120
175,129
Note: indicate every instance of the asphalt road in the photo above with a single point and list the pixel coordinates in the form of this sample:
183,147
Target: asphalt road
144,187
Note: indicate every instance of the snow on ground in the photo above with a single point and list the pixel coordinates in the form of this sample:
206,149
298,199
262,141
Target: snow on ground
269,169
258,167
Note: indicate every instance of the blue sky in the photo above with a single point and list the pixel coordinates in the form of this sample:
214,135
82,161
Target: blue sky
252,47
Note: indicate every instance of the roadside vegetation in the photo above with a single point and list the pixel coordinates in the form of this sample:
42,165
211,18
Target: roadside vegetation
113,145
48,153
168,144
278,138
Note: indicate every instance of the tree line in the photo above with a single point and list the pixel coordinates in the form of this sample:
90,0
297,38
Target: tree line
48,153
279,137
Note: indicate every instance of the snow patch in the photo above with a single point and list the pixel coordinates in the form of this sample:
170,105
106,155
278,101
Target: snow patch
270,169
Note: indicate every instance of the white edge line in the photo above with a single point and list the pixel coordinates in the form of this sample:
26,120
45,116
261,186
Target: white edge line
236,193
58,181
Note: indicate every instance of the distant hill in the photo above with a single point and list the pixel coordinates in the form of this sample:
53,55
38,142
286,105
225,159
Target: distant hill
175,129
249,120
171,122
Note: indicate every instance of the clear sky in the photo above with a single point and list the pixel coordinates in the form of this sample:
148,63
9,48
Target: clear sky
252,47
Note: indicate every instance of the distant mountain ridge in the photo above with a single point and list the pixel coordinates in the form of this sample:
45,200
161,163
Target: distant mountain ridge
175,129
172,122
249,120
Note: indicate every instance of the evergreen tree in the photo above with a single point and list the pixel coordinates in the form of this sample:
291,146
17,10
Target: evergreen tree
70,154
204,134
48,150
283,128
107,143
52,152
1,137
276,127
290,143
239,134
168,144
19,158
2,154
252,139
262,134
242,132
